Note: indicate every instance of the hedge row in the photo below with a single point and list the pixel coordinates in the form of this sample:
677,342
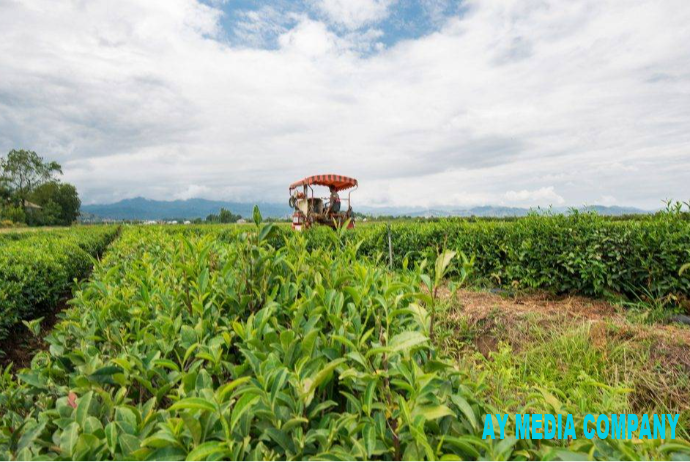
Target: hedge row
37,268
582,253
585,253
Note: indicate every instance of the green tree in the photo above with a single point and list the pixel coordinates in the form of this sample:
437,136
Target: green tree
226,216
23,171
59,201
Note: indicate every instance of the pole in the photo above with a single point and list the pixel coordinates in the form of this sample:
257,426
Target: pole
390,247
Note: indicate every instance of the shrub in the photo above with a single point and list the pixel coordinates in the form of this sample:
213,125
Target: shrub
36,268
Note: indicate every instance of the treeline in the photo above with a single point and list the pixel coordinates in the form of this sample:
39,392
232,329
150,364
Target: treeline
31,194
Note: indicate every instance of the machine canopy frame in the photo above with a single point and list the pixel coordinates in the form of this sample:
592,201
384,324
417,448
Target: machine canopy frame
339,182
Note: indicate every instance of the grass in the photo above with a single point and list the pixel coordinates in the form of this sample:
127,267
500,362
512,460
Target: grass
598,364
26,229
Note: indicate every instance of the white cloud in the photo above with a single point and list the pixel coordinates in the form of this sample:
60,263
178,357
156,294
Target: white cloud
192,191
607,200
354,14
587,98
546,196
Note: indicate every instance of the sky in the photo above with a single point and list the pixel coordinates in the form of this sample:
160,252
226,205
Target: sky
427,103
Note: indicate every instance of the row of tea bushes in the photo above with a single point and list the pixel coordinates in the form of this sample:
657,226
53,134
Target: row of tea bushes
585,253
37,268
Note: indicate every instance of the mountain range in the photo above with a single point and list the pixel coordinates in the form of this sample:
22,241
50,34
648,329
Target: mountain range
140,208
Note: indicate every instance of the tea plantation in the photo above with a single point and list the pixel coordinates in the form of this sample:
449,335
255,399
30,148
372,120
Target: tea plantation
252,342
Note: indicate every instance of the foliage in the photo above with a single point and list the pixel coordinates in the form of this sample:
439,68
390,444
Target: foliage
203,343
36,268
582,253
23,171
224,216
12,213
59,201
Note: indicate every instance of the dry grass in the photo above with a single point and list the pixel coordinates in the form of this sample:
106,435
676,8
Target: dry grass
531,340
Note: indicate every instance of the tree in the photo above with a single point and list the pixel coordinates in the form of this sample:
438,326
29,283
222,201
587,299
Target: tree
23,171
5,192
226,216
59,201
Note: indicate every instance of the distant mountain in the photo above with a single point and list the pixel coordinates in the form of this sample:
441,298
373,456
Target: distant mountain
614,210
492,211
140,208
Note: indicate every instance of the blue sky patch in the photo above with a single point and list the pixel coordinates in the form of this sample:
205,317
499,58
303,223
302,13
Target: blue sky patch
259,23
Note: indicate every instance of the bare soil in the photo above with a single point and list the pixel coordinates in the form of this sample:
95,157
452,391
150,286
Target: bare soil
20,346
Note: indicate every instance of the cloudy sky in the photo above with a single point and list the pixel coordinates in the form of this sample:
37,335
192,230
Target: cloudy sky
426,102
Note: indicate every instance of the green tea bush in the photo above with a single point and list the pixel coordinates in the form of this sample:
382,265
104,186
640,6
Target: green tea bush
199,347
36,268
582,253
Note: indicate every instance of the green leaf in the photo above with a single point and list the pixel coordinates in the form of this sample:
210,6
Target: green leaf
160,440
194,403
193,426
166,363
202,451
405,341
466,409
463,445
222,392
29,436
442,262
242,406
369,434
23,455
105,374
129,443
433,412
126,419
281,438
325,372
266,232
111,436
167,454
33,378
257,215
83,405
68,439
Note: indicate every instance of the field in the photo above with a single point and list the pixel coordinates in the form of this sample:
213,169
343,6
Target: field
253,342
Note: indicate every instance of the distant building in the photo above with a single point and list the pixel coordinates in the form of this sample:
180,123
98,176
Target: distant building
241,221
31,205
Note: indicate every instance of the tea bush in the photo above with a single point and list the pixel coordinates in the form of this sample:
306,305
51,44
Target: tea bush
36,268
184,345
582,253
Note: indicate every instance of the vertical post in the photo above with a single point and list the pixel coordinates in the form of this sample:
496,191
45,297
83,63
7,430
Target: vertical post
390,247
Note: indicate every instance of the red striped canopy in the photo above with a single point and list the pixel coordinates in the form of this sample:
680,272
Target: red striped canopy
338,181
